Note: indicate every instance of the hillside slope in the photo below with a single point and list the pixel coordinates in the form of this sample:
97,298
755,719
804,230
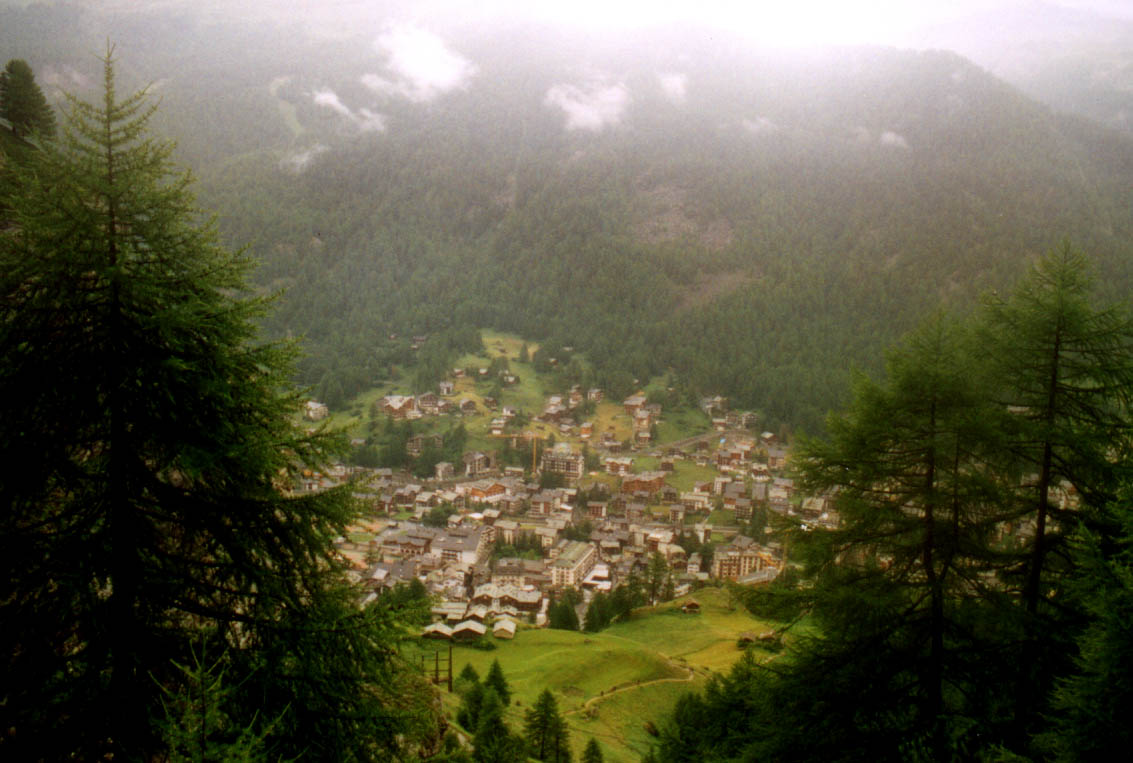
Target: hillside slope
670,200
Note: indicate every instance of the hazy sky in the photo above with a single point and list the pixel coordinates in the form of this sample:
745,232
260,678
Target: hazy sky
785,22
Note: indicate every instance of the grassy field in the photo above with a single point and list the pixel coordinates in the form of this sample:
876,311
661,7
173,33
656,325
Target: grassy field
610,684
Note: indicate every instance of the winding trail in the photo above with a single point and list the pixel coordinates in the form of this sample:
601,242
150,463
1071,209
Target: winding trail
627,687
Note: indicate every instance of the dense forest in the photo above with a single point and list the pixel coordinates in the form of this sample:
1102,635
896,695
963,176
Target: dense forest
972,603
757,225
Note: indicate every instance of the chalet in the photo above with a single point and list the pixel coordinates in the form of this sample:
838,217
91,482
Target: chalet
691,607
667,465
633,403
469,630
714,405
476,463
676,514
596,509
446,387
419,443
406,495
619,466
467,406
574,399
776,457
497,427
399,406
504,628
594,395
491,403
669,494
586,430
444,470
553,412
481,490
316,411
495,598
437,630
427,403
646,482
696,501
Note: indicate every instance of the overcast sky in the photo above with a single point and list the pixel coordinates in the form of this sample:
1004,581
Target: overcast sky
785,22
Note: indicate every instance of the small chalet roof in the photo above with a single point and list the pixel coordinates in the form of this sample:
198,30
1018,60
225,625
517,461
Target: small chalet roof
437,630
504,628
469,627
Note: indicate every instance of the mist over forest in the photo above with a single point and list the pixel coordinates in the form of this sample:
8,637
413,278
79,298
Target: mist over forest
819,314
756,220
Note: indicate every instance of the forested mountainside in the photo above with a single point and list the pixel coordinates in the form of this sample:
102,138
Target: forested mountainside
669,201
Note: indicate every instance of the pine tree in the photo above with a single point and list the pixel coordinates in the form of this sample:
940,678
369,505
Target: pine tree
545,730
1090,705
494,741
145,468
1064,381
495,680
908,468
592,752
1065,374
22,102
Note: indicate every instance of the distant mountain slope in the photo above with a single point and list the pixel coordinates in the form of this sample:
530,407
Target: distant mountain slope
669,200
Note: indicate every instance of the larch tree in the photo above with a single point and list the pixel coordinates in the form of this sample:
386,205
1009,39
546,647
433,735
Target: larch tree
907,470
545,730
22,102
146,467
1063,378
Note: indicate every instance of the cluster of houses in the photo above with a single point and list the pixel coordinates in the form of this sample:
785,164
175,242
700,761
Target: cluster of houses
477,593
588,540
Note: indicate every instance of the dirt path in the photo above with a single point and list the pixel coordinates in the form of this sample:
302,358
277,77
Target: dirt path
586,705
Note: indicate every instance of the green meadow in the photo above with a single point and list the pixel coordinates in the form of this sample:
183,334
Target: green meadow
612,685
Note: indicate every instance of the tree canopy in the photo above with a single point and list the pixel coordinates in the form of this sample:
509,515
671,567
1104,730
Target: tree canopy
146,476
949,602
22,102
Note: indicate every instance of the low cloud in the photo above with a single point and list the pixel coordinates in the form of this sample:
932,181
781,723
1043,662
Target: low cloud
420,66
330,99
364,119
592,108
674,85
760,126
298,162
889,138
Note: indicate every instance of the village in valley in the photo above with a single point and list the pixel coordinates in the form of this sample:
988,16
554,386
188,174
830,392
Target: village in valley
607,495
